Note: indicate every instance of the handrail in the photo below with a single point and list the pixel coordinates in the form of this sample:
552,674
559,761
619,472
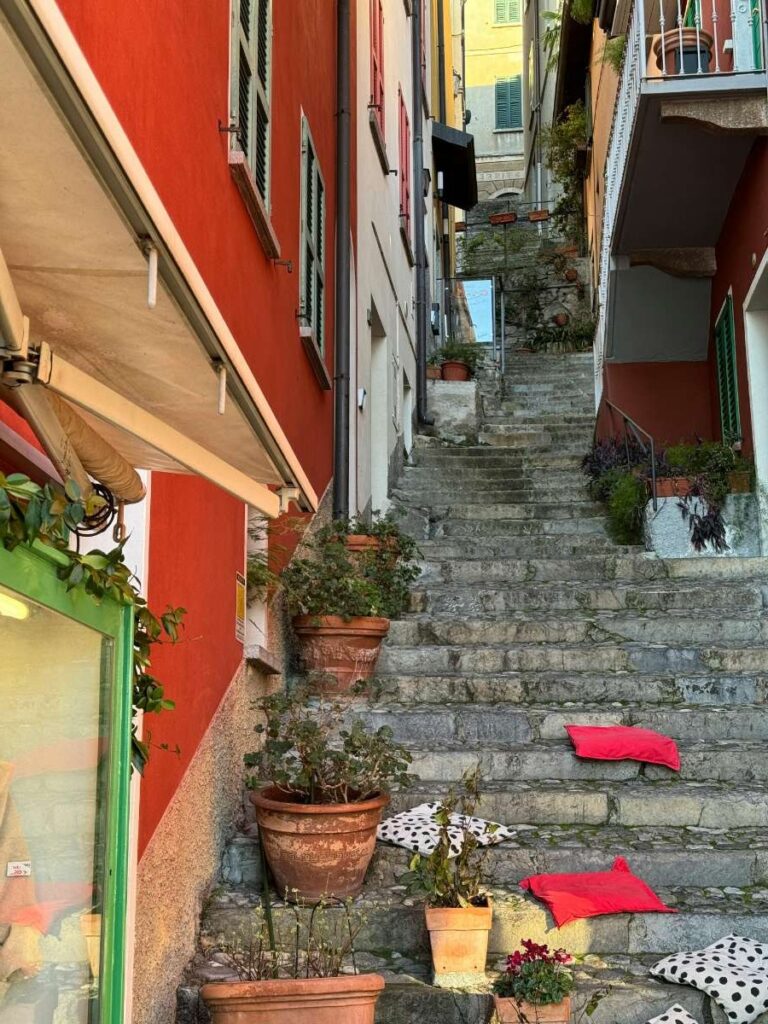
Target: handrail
637,430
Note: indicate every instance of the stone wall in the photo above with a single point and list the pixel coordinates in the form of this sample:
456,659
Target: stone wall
668,534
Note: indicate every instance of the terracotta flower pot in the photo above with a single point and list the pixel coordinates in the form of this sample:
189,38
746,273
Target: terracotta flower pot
672,486
571,274
509,1011
669,43
459,938
537,215
344,650
317,850
560,319
454,369
434,373
349,999
740,481
359,543
90,926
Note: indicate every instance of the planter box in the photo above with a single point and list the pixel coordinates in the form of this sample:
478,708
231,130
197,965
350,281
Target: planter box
503,218
434,373
673,486
537,215
459,938
341,650
348,999
509,1011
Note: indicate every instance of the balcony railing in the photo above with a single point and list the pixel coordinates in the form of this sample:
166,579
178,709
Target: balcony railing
685,41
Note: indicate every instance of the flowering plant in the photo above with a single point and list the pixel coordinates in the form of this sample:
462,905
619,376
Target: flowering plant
534,975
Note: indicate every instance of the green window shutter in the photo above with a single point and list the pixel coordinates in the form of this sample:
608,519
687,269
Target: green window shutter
507,11
509,103
251,86
313,224
727,376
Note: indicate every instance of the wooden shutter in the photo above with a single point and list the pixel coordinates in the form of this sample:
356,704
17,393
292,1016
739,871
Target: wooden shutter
507,11
516,102
502,104
313,222
377,61
252,21
405,164
727,375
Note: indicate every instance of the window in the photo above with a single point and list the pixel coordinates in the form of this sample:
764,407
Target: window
507,12
405,166
727,376
312,275
509,104
377,62
251,72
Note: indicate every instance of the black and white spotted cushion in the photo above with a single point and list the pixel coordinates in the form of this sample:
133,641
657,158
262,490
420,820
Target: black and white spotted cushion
676,1014
417,830
733,971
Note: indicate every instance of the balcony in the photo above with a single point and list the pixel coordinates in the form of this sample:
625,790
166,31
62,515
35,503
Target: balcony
691,101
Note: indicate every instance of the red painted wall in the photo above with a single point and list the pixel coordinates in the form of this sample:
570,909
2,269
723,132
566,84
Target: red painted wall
745,235
196,545
165,70
669,400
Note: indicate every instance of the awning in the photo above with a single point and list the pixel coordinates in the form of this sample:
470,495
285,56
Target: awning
454,155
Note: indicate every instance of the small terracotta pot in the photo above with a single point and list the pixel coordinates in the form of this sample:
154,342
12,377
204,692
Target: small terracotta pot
503,218
349,999
560,319
672,486
536,215
670,44
459,938
434,373
317,850
343,650
454,369
90,926
571,274
740,481
509,1011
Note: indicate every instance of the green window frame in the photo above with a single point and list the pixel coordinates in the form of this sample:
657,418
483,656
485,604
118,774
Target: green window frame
507,12
250,86
32,573
312,242
727,373
509,104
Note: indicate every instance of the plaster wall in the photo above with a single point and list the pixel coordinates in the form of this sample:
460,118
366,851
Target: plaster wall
668,534
603,87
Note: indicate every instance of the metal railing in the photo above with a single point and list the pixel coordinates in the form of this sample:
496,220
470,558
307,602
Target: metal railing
647,449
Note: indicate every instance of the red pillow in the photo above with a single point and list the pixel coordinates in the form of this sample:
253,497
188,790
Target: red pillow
622,742
617,891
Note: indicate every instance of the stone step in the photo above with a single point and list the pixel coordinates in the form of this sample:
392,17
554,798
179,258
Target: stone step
490,547
396,922
497,456
705,688
596,628
470,729
633,802
446,598
508,473
487,492
517,510
536,444
628,657
555,432
535,417
590,524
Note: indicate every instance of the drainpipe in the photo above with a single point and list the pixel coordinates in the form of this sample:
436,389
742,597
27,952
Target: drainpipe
417,30
342,318
446,253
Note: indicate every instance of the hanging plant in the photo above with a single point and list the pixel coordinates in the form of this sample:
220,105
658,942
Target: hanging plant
49,514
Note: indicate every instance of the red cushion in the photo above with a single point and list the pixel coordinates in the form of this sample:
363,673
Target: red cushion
617,891
621,742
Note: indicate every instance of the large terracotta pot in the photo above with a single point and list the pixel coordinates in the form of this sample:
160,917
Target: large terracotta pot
434,373
454,369
509,1011
344,650
317,850
670,44
459,938
672,486
349,999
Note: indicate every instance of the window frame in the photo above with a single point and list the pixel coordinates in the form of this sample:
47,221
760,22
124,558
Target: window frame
508,81
312,239
260,92
727,370
405,178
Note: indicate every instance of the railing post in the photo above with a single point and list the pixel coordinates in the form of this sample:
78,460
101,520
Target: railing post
654,500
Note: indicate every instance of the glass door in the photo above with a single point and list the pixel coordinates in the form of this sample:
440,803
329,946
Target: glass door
64,771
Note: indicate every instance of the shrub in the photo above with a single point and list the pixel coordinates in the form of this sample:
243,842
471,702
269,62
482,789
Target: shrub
626,507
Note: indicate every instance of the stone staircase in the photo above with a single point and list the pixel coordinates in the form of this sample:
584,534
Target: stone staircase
528,617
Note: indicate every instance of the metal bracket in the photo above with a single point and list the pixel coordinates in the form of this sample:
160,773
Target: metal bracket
286,495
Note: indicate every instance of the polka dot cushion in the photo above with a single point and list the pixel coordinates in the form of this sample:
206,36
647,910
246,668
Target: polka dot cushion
417,830
733,971
676,1014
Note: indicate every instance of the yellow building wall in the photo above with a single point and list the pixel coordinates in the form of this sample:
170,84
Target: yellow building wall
493,51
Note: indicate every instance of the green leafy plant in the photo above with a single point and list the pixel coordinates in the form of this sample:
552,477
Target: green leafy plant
48,514
551,38
563,141
626,508
461,353
306,754
582,11
441,878
535,976
614,51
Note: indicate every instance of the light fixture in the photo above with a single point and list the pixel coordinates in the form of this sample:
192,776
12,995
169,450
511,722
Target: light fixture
12,608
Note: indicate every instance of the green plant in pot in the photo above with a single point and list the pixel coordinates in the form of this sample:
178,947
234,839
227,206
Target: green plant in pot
303,972
452,884
459,361
434,366
327,788
535,987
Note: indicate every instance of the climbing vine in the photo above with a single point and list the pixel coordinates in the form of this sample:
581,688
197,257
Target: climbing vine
49,513
564,141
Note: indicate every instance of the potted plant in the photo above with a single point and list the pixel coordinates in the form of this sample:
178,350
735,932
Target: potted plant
459,361
560,319
381,534
458,908
535,987
683,50
327,788
434,369
299,976
341,604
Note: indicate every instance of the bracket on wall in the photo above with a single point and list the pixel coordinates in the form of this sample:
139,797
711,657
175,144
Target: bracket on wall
288,264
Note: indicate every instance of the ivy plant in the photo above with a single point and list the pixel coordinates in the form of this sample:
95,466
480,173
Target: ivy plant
30,512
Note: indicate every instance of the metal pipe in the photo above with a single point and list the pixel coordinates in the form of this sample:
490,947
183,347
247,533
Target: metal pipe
446,252
342,290
417,28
